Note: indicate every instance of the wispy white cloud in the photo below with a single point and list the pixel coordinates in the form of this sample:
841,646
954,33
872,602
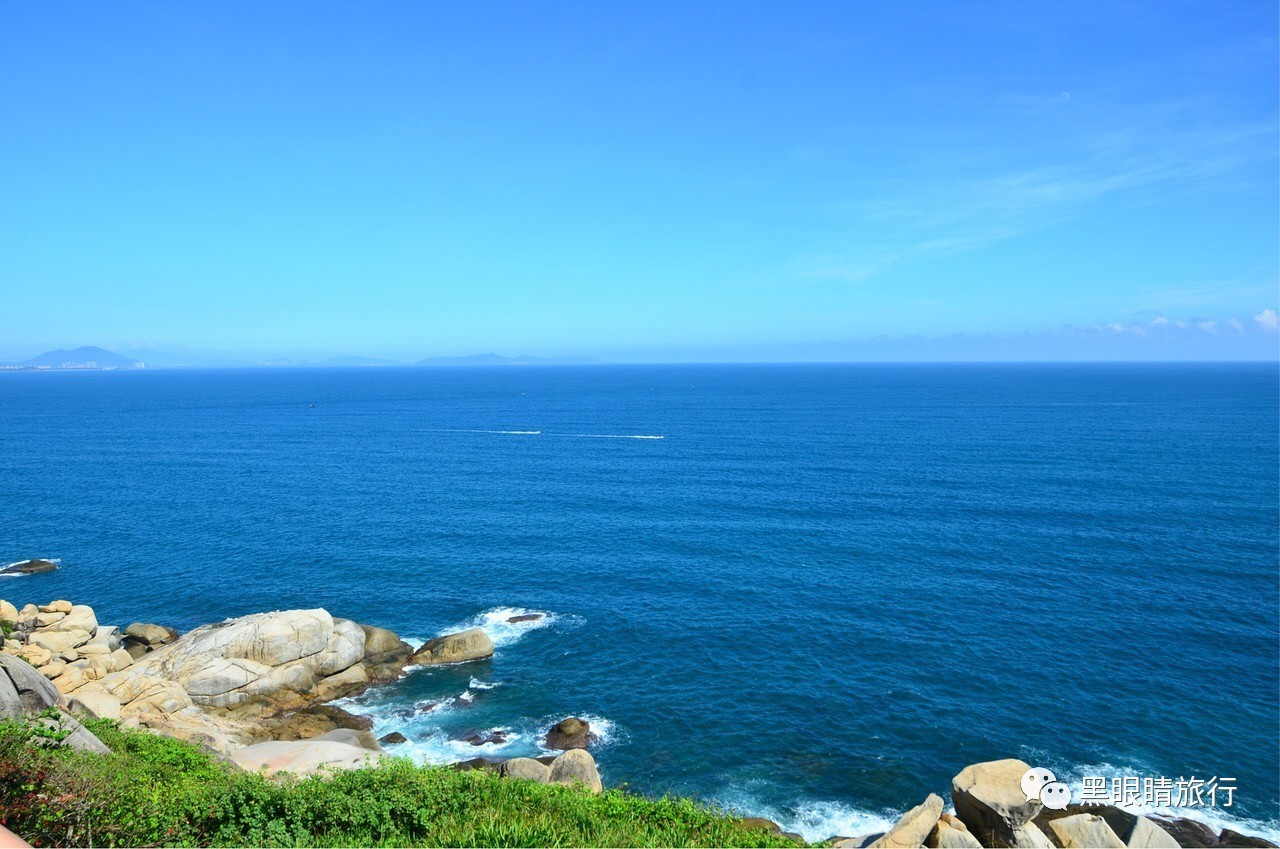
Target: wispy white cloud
1267,320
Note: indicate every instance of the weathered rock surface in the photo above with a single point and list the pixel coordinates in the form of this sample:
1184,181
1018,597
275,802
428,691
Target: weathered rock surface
150,634
951,833
29,567
352,737
385,654
914,826
395,738
989,800
576,766
8,613
1145,834
1085,831
262,664
455,648
95,701
526,768
570,733
302,757
23,690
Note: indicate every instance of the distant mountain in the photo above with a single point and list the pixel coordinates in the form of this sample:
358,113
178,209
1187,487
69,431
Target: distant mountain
358,361
87,357
499,360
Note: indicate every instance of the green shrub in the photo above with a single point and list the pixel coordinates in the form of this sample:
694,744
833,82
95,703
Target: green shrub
154,790
7,626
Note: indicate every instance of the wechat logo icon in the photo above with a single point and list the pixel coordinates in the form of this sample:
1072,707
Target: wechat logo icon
1040,783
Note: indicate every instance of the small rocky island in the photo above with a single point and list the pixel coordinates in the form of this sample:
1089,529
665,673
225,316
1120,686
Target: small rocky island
256,690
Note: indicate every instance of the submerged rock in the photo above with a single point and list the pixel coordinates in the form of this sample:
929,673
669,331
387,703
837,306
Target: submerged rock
483,738
462,647
29,567
570,733
525,617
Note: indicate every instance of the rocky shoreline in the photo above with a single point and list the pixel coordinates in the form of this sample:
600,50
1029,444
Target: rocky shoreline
255,690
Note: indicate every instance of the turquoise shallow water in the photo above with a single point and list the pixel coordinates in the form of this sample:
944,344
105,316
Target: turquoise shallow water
824,591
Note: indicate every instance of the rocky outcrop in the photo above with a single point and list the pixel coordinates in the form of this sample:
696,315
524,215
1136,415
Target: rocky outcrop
29,567
570,733
576,767
395,738
914,826
989,800
226,685
455,648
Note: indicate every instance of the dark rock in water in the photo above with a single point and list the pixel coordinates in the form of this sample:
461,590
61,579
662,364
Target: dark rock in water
481,738
394,738
29,567
1235,838
475,763
1188,833
467,699
570,733
525,617
750,823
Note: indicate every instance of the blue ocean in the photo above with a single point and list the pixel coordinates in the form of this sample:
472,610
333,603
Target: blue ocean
810,592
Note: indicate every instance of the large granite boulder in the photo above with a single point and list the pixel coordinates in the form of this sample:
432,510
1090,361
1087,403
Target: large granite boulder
150,635
1085,831
8,613
989,800
455,648
526,768
23,690
576,767
29,567
75,735
264,663
385,654
914,827
570,733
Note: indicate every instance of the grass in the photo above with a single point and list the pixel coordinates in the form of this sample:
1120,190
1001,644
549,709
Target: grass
155,791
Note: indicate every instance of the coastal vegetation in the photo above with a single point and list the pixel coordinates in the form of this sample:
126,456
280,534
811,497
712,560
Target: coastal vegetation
153,790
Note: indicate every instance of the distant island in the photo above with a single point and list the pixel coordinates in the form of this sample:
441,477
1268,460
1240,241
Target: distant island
88,357
92,357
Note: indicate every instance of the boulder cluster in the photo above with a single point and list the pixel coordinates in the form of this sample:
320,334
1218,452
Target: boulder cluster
226,686
992,810
254,689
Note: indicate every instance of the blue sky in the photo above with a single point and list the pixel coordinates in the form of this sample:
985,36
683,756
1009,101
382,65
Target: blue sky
683,181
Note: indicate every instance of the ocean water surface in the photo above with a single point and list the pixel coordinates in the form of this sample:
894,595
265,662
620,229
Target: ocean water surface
820,594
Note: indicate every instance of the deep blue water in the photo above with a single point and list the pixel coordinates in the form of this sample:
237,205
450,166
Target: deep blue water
819,596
